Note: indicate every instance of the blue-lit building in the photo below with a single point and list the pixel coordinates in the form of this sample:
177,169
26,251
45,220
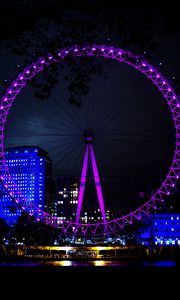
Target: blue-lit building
31,170
166,229
161,229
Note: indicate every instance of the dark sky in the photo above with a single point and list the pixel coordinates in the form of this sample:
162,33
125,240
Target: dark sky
132,125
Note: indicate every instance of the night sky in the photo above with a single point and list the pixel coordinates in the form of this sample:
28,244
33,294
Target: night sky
132,125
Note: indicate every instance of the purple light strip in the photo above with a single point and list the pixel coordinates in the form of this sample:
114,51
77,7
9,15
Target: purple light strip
97,183
82,185
89,149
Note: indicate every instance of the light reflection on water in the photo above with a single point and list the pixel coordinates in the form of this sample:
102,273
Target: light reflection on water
167,263
92,263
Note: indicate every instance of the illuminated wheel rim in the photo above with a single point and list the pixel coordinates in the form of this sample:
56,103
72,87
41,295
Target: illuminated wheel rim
167,186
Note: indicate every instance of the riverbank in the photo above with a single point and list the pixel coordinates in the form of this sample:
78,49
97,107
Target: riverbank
82,252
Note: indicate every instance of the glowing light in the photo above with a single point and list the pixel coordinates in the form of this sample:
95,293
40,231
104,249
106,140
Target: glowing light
97,183
99,263
65,263
89,149
82,186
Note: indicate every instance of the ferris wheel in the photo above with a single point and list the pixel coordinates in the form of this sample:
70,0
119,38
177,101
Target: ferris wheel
105,226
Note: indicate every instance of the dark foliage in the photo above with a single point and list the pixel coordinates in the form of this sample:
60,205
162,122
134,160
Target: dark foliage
34,28
4,229
30,232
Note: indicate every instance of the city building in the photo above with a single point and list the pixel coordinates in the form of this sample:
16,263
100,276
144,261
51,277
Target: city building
94,216
65,199
160,229
64,202
166,229
31,170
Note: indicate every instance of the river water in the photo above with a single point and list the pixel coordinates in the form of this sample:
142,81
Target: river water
92,263
91,278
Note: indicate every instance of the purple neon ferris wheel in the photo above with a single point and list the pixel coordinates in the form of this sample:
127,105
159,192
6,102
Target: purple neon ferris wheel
156,199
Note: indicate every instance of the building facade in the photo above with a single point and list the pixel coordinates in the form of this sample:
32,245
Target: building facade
161,229
165,229
65,199
64,203
31,170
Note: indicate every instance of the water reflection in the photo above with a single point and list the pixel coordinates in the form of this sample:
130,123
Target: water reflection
91,263
99,263
166,263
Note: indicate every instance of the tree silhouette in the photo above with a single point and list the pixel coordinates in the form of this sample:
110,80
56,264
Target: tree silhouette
30,232
4,229
34,28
